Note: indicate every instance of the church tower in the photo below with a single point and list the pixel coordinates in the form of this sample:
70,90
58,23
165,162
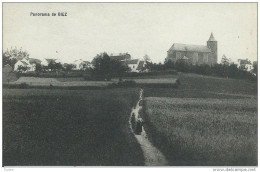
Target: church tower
213,45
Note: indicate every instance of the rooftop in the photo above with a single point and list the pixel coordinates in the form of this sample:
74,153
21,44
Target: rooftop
36,61
189,47
121,57
211,38
140,65
133,61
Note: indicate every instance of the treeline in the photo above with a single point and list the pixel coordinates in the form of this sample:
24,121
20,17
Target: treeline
220,70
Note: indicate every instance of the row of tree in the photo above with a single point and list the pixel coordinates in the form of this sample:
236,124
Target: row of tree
222,70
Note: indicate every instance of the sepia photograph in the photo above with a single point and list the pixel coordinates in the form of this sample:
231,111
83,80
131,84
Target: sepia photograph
125,84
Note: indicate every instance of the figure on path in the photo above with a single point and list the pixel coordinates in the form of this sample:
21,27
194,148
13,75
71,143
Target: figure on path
139,126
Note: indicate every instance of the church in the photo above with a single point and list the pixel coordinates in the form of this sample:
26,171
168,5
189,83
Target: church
195,54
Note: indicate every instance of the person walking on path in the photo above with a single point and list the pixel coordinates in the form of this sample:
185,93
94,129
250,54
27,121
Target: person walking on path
139,126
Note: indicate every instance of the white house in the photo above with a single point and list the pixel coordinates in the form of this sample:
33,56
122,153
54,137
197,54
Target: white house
30,64
244,64
44,62
81,65
23,63
136,65
248,67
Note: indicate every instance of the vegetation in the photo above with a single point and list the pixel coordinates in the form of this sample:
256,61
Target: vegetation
255,66
205,121
7,60
198,86
10,56
69,127
205,131
221,70
22,69
106,68
54,66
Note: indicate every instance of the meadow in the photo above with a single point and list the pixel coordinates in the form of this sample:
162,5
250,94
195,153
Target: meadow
199,86
48,127
205,121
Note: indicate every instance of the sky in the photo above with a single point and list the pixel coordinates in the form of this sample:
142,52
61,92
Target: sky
136,28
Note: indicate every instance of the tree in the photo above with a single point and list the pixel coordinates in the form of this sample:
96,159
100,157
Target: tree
17,53
13,55
8,60
149,66
22,69
147,58
38,67
106,68
69,67
255,67
225,60
53,66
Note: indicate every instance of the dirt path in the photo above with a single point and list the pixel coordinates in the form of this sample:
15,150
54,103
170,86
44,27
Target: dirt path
153,157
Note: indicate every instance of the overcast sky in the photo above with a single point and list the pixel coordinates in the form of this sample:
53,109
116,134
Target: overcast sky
136,28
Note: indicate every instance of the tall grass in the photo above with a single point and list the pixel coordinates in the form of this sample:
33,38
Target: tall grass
204,131
69,127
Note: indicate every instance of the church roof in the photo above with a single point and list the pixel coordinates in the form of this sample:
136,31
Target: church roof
211,38
188,47
133,61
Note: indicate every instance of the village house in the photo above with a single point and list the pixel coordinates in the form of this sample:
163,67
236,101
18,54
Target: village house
194,54
29,65
81,65
226,61
121,57
136,65
245,64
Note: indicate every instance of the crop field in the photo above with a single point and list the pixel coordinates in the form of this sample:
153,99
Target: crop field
206,131
69,127
205,121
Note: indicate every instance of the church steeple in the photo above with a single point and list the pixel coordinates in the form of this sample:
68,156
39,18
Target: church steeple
211,38
212,43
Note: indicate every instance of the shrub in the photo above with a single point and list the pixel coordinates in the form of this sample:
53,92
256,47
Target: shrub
23,85
123,84
178,82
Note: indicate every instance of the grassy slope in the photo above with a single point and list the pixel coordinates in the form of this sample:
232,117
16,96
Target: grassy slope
69,127
188,139
198,86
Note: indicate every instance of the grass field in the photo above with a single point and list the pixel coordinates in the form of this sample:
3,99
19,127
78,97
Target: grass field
198,86
69,127
205,121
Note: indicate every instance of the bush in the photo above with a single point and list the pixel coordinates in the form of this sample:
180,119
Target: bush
152,73
123,84
23,85
178,82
